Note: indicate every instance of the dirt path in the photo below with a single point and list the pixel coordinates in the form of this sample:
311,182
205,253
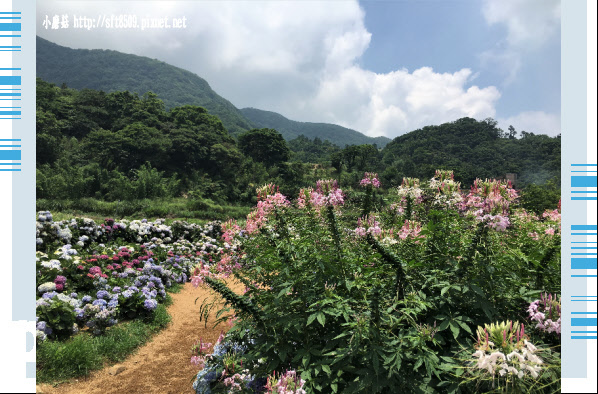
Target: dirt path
162,365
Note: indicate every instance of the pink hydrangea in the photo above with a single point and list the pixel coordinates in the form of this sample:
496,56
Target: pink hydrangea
95,270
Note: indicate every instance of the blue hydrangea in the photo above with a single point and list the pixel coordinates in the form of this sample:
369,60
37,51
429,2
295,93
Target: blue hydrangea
100,302
102,294
86,298
79,312
150,304
49,295
41,302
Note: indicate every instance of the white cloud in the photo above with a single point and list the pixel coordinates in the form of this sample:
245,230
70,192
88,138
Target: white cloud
537,122
296,58
529,24
397,102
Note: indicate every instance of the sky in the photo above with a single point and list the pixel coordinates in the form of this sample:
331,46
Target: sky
379,67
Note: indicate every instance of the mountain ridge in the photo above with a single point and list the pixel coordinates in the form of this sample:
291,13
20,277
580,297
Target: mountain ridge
291,129
109,71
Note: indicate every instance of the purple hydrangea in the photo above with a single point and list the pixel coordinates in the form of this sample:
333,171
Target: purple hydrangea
150,304
100,302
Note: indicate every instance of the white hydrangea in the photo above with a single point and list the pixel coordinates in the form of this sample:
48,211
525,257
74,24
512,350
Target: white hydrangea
46,287
52,264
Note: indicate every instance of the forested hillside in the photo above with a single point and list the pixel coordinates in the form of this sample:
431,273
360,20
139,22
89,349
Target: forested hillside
113,71
473,149
122,146
291,129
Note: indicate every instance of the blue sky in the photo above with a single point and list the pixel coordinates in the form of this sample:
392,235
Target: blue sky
453,34
380,67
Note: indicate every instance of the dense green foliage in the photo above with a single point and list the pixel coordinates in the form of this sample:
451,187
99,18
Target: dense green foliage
392,302
312,151
119,146
291,129
264,146
122,147
476,149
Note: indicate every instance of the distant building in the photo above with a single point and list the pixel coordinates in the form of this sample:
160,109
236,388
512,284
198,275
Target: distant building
511,177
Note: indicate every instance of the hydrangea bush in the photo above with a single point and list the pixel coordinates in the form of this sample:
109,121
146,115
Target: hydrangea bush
91,276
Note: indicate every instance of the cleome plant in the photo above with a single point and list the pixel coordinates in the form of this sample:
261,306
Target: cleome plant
387,302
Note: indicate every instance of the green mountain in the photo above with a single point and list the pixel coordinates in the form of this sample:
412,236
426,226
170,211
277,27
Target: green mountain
472,149
291,129
113,71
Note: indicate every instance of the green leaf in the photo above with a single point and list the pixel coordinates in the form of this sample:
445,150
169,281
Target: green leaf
284,291
477,290
326,369
311,318
321,318
464,326
418,364
349,284
455,329
334,387
306,375
443,325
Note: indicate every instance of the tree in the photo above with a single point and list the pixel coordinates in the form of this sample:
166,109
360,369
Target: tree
265,146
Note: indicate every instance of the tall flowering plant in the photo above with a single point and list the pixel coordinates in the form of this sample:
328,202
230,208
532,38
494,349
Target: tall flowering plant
370,178
287,383
505,357
370,182
363,298
411,195
269,198
546,312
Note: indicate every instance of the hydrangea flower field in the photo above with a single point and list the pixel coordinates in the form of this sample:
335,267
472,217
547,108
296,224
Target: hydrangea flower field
90,276
423,288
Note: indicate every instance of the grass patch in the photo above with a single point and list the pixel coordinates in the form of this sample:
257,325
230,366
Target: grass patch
175,288
58,361
171,209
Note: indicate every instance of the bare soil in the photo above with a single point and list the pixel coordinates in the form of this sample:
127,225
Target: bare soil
161,365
